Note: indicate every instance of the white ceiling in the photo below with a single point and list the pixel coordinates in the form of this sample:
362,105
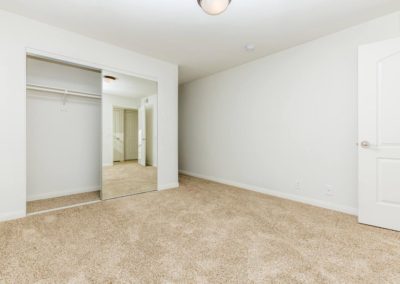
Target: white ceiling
179,31
129,86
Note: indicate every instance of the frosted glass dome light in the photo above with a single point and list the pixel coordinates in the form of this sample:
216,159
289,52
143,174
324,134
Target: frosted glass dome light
214,7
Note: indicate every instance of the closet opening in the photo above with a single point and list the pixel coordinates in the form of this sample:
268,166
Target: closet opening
91,134
63,134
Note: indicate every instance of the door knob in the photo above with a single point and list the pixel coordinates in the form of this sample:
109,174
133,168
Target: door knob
365,144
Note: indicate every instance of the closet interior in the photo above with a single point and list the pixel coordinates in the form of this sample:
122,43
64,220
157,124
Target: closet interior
63,134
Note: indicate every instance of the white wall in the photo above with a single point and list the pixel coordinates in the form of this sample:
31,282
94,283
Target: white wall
286,118
63,140
108,102
19,35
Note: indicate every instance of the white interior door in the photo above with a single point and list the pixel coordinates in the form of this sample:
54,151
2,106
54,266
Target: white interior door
142,135
131,135
379,134
118,134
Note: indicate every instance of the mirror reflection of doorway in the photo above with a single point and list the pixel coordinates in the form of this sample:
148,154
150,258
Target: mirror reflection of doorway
129,136
125,136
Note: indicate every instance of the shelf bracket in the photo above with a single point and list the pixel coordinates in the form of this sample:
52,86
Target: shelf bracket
64,101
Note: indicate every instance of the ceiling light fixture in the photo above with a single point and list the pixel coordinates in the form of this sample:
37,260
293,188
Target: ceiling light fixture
109,79
214,7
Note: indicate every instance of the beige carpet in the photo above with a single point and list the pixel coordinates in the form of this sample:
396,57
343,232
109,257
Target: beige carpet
128,178
201,233
58,202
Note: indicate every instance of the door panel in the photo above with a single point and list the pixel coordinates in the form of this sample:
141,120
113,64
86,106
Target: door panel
131,135
379,134
388,100
388,181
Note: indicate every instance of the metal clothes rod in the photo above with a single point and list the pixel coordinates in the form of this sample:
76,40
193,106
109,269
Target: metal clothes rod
61,91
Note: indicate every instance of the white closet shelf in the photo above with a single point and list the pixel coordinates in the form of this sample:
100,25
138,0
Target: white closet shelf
61,91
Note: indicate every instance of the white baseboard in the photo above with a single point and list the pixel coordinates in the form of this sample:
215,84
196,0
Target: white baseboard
293,197
168,186
64,207
54,194
12,215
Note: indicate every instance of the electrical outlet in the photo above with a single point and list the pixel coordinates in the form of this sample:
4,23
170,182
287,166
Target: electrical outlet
297,185
329,190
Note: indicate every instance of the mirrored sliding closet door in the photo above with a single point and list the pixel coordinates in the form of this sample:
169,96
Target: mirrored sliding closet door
129,126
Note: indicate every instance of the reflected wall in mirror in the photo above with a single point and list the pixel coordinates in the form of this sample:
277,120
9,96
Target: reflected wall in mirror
129,111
